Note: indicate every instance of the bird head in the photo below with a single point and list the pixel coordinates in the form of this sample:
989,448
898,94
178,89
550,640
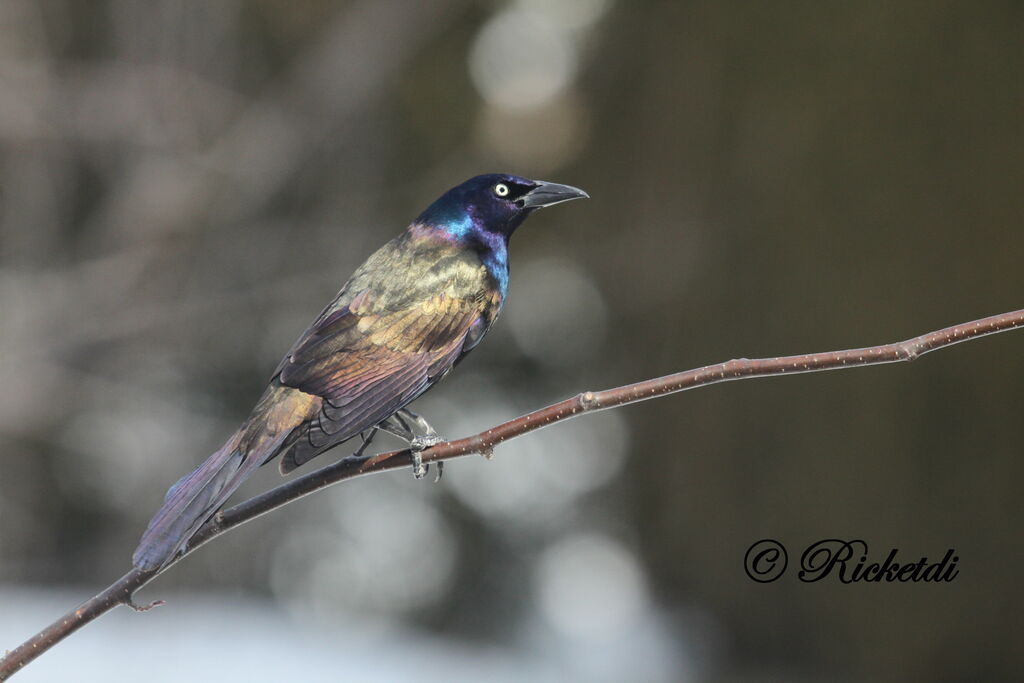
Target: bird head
495,203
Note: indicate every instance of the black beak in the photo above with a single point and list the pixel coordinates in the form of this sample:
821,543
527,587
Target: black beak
548,194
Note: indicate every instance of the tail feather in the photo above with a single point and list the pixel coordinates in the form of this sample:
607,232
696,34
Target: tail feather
194,499
273,425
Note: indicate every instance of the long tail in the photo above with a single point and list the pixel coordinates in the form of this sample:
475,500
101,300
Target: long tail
198,495
191,501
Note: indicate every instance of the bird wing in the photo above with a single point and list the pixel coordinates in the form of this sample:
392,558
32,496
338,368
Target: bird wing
367,361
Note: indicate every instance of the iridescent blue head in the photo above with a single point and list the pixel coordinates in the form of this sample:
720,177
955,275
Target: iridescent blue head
483,212
492,206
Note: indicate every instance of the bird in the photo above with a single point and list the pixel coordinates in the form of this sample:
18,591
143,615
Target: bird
404,319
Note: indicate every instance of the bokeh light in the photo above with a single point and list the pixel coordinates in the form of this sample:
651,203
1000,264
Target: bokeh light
380,548
559,318
532,480
520,62
590,587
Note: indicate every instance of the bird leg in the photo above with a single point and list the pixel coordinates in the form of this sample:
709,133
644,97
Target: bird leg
397,425
430,436
367,440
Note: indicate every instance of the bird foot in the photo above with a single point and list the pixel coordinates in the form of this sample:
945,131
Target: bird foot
419,470
425,441
397,424
421,443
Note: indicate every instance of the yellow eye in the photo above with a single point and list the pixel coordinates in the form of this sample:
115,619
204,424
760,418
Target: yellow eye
501,189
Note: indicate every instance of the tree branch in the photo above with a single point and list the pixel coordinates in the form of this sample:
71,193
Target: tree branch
122,591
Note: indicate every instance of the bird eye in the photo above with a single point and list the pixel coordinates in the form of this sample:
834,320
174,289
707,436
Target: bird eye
501,189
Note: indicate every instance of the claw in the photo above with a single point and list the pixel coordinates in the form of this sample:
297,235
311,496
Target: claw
419,470
397,425
416,446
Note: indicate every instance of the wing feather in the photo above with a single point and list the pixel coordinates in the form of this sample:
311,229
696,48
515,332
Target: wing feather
366,366
396,327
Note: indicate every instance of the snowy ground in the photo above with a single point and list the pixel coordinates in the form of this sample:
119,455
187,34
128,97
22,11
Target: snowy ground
210,638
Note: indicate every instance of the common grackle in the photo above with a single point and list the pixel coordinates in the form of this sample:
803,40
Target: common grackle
400,324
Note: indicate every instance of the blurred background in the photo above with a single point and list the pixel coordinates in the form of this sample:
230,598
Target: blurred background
183,185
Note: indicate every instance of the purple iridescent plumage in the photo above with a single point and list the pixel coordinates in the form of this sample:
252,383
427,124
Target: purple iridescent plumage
407,316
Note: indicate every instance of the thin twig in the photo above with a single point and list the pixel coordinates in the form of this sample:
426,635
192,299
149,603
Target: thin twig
122,591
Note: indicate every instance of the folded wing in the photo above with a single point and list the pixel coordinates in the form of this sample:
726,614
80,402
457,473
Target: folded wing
366,362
